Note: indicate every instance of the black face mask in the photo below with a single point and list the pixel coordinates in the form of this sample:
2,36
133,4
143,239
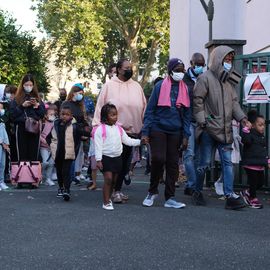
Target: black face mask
128,74
63,98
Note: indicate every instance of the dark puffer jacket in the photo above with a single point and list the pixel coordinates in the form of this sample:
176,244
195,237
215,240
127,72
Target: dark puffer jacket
255,149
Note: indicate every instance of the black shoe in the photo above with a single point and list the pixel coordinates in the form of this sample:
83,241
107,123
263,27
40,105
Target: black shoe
234,204
60,193
77,182
188,191
147,171
127,180
198,199
66,196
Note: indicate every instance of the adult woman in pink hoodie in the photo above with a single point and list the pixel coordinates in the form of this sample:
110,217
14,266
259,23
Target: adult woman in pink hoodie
128,97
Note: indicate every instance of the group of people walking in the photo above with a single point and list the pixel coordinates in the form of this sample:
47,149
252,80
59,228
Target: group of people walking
189,111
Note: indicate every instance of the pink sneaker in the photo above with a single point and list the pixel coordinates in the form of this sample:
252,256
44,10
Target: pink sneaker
255,203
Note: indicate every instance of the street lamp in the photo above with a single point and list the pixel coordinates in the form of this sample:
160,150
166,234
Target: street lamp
209,10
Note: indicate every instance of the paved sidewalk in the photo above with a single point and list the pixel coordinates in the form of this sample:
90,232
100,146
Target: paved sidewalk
40,231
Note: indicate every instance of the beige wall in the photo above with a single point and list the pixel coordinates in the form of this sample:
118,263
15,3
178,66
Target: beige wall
257,27
233,19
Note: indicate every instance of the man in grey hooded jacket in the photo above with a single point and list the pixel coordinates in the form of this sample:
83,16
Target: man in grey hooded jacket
215,106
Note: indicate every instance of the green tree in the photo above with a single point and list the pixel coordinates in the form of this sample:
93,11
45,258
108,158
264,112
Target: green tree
88,34
19,54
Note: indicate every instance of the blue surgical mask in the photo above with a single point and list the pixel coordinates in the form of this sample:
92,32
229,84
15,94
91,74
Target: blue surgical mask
227,66
78,97
8,96
198,70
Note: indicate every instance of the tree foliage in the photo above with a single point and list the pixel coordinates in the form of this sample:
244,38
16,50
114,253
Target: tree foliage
89,34
19,54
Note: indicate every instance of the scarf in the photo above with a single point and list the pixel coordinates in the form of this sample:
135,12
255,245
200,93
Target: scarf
165,94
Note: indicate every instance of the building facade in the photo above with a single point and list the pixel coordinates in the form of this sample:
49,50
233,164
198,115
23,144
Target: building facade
233,19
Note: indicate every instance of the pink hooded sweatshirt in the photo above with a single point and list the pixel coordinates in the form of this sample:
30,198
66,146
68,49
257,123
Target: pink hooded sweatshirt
129,99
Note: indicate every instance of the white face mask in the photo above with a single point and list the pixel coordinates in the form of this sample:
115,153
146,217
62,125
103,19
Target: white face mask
28,89
177,76
2,112
51,118
8,95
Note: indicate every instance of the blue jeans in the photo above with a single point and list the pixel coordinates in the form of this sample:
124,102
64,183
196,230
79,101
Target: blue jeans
206,149
2,164
189,159
47,163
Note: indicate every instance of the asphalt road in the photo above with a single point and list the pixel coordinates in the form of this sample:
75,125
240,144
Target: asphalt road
40,231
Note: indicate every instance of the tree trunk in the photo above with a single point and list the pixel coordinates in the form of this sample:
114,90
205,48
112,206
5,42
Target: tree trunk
134,56
150,62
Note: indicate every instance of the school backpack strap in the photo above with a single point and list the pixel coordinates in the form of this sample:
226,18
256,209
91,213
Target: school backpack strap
103,128
103,131
18,172
31,172
120,129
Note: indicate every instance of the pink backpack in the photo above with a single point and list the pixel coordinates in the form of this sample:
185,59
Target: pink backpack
103,126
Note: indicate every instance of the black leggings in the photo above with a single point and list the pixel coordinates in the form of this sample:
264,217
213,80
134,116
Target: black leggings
255,181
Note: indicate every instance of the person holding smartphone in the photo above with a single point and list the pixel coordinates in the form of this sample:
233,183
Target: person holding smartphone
26,104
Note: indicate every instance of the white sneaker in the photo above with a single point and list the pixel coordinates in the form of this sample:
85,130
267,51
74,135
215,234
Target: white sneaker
219,188
84,168
54,176
49,182
172,203
117,197
108,206
149,200
235,195
87,180
82,177
3,186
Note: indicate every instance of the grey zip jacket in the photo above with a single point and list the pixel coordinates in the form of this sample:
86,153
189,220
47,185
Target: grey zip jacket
215,101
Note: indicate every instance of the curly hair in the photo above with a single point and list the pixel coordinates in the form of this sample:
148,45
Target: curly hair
105,110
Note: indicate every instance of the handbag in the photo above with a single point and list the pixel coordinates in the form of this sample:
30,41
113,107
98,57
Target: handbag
31,125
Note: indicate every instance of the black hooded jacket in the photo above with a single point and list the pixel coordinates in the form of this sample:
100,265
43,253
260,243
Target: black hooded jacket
255,149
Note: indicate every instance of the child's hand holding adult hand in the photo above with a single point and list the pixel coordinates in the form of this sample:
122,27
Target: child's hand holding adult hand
99,165
144,140
246,123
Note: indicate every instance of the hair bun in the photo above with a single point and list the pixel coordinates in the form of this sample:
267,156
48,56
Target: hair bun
252,115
